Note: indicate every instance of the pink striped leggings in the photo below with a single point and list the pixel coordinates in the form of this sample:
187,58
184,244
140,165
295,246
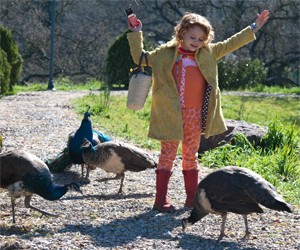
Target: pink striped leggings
192,121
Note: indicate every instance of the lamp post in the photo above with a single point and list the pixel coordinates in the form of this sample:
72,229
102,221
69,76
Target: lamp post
50,83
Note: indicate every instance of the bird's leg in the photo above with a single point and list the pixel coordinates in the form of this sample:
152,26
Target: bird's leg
85,180
222,233
87,172
82,171
27,204
118,176
247,234
13,209
122,180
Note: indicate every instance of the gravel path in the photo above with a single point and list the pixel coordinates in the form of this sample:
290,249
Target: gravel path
40,122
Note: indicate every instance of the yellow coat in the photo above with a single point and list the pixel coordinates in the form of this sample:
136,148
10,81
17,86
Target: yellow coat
165,118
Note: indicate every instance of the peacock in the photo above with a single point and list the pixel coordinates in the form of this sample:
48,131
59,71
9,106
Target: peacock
116,157
236,190
72,153
24,174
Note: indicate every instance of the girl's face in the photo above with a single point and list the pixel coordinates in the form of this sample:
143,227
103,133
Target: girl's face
193,39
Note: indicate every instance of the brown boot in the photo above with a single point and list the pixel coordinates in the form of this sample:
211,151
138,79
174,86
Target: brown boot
162,202
191,185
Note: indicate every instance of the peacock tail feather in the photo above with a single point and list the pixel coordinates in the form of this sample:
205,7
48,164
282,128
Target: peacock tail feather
60,163
102,137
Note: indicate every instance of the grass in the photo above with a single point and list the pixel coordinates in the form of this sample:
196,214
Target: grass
60,84
66,84
275,89
115,119
261,110
277,158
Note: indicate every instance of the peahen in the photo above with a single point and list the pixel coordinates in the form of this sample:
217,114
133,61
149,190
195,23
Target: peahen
116,157
237,190
72,154
24,174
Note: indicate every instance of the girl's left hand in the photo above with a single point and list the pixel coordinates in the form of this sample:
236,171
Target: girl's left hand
262,18
137,28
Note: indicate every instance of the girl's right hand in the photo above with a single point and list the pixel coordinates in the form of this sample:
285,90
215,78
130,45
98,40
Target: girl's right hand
137,28
262,18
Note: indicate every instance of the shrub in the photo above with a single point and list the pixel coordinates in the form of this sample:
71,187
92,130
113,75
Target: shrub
14,59
5,70
241,74
276,158
119,62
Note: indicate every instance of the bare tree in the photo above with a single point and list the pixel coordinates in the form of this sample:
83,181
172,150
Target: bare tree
277,44
85,29
83,32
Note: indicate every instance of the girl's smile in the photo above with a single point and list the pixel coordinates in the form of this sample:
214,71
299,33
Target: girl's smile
193,39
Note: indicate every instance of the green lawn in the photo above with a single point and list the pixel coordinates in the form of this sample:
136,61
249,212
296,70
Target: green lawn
277,159
116,119
261,110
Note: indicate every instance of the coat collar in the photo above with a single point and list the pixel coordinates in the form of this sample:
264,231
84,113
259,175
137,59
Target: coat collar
172,43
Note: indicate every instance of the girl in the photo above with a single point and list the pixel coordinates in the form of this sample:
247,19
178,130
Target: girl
185,95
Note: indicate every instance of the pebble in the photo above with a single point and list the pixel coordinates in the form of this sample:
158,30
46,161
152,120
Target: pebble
40,122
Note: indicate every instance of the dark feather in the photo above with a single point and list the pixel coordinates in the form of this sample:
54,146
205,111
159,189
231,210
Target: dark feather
60,163
128,157
242,191
117,157
24,174
72,154
237,190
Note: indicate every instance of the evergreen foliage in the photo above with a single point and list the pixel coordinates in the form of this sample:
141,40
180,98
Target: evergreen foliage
5,70
276,158
12,56
241,74
119,62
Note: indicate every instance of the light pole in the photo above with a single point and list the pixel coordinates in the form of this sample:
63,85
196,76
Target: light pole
51,83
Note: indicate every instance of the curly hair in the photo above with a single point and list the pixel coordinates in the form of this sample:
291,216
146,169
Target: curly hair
190,20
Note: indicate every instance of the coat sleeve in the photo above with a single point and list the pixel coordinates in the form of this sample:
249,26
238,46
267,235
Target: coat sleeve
233,43
135,40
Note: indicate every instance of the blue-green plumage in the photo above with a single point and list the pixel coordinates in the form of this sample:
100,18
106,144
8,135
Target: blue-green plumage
75,141
43,186
73,154
24,174
100,136
85,131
